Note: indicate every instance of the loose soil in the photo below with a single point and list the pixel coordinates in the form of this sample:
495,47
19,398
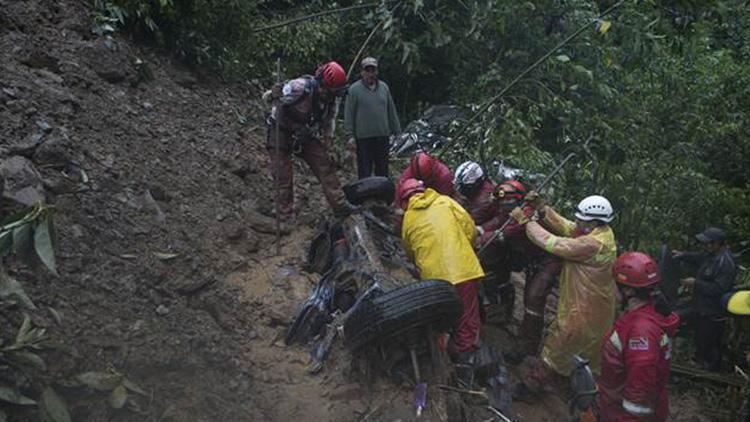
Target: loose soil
168,271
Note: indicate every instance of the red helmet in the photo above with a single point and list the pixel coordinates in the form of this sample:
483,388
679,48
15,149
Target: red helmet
331,75
406,189
421,166
636,269
510,189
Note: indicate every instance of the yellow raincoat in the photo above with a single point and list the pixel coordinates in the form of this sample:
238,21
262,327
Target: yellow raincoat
438,234
586,308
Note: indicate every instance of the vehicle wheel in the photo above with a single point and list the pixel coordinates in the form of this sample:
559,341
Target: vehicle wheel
379,188
397,311
320,253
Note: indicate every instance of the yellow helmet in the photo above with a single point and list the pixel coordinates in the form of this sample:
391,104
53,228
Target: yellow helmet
739,303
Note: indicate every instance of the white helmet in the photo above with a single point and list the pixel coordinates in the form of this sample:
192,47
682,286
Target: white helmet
468,174
595,207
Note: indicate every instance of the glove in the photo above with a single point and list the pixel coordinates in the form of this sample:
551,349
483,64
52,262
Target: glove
535,200
519,216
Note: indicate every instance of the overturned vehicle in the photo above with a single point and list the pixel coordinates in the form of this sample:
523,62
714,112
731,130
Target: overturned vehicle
371,297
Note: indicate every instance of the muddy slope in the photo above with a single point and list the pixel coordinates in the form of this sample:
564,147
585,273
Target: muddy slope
157,186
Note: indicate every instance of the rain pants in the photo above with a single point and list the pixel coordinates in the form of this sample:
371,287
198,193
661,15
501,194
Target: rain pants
438,234
586,307
635,367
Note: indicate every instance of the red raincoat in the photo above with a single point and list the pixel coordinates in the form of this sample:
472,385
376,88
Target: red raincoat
441,179
635,367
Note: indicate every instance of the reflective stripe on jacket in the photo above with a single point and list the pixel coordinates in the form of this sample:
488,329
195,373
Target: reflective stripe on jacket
635,367
586,307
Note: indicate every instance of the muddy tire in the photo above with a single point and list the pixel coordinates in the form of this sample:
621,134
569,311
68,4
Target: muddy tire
320,253
394,313
379,188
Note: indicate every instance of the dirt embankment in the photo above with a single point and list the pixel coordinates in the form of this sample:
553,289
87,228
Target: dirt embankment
165,263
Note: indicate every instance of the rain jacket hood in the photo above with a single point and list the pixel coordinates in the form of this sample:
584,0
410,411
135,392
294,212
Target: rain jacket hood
438,234
586,308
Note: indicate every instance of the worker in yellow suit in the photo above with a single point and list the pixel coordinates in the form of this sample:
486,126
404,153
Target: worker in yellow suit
438,235
586,308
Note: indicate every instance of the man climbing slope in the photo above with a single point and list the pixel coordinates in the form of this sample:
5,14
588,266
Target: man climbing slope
305,109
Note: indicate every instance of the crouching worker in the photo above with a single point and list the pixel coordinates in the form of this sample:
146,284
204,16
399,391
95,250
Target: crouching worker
637,349
438,235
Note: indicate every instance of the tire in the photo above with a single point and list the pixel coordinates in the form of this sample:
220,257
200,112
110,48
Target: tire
379,188
320,253
395,312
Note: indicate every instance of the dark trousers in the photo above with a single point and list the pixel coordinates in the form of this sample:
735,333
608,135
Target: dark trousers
315,155
372,152
709,333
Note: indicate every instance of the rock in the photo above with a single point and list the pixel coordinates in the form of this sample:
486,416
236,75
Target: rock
148,203
259,222
185,80
241,168
232,230
162,310
55,149
159,193
21,182
27,147
44,126
109,64
77,231
10,93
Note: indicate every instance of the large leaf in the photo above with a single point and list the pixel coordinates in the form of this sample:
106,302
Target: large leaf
27,359
6,242
11,395
23,243
54,407
25,329
118,397
130,385
101,381
12,291
43,244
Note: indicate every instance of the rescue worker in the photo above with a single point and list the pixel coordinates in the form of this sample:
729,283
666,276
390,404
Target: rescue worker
586,306
438,235
433,172
539,266
714,279
306,109
637,349
475,192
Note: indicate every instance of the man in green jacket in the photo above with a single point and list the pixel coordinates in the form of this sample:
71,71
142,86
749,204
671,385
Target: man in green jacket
369,120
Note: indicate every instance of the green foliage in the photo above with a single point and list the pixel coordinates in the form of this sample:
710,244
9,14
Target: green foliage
30,236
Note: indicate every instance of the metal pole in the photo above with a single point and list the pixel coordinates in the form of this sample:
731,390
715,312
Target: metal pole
277,175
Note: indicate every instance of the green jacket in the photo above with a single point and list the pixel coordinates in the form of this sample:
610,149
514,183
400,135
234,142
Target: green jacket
370,112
